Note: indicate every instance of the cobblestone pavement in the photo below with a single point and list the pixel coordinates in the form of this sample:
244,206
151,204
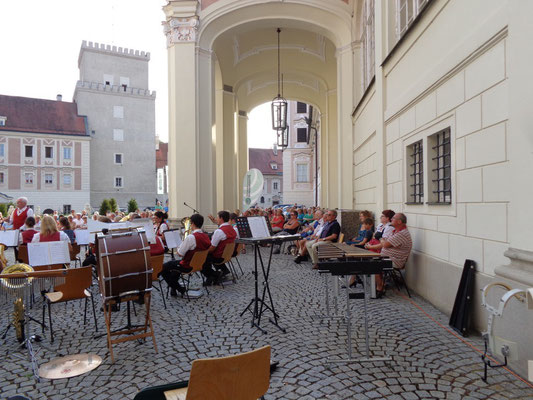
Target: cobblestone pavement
428,362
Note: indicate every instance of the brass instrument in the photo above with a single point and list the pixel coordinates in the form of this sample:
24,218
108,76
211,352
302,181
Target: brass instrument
186,226
15,286
3,259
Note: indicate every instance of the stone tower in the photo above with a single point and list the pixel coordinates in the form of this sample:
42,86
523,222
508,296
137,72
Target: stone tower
113,93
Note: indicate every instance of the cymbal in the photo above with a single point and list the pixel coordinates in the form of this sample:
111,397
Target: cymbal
69,366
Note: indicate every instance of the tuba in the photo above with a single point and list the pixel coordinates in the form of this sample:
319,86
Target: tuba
186,226
15,285
3,259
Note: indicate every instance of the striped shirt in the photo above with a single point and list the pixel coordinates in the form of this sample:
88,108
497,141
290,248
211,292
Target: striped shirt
401,247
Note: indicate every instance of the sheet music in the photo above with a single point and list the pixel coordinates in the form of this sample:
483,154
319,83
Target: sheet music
47,253
96,226
83,236
9,238
173,239
258,227
59,253
148,226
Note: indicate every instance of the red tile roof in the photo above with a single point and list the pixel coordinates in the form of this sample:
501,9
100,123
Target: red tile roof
262,159
161,155
25,114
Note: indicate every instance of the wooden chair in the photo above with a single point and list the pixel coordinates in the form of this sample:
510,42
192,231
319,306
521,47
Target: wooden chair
76,287
243,376
341,238
157,266
74,253
197,263
23,254
226,256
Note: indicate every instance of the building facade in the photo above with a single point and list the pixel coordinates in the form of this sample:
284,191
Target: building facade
44,153
270,163
425,109
113,93
301,175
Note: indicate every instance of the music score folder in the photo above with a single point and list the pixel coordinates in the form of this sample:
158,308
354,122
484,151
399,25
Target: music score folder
48,253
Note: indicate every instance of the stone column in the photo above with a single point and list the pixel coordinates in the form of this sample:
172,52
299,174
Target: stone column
242,154
230,150
330,153
191,103
345,91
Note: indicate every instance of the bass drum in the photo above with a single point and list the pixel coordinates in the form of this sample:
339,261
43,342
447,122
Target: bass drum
124,266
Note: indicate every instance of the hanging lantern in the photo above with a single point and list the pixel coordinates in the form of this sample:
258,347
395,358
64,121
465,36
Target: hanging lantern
279,108
283,138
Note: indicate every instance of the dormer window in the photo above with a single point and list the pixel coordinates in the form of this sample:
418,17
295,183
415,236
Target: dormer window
273,165
3,120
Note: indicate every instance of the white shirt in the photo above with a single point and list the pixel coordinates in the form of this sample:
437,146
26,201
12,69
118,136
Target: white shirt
387,229
62,237
29,214
219,235
162,228
319,227
188,244
78,222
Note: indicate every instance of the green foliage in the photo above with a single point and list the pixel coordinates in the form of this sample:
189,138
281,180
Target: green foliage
132,205
105,207
4,208
113,204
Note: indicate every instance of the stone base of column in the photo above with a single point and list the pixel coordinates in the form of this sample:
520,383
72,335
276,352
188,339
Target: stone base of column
520,269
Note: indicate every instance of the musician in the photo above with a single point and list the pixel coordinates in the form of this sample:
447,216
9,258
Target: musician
196,241
18,217
330,233
66,226
26,235
49,232
225,234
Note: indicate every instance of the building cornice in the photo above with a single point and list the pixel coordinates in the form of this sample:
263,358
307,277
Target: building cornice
113,90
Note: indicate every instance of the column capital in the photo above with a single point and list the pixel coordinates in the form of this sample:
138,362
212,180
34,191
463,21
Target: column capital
181,25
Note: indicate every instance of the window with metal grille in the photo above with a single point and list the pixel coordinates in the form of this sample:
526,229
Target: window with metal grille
275,185
118,182
415,180
67,208
301,107
441,170
368,41
48,179
301,135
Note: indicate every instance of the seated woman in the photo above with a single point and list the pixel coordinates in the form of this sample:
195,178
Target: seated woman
301,215
277,221
49,232
160,224
308,215
26,235
289,228
361,234
65,226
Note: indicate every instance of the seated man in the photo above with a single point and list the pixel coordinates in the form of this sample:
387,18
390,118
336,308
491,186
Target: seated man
310,233
397,246
330,233
225,234
196,241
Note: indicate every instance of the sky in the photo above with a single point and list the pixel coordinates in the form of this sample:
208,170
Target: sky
40,43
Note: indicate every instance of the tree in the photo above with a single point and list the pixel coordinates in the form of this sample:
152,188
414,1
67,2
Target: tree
105,207
132,205
113,204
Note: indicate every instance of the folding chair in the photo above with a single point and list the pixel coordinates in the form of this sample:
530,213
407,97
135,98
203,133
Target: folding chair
74,253
157,266
243,376
197,263
238,250
77,286
226,255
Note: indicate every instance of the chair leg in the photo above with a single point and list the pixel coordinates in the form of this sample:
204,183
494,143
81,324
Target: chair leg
50,321
239,264
162,294
85,312
44,310
134,310
404,283
94,314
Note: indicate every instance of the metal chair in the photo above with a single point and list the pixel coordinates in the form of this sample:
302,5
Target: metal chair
157,267
243,376
74,253
226,256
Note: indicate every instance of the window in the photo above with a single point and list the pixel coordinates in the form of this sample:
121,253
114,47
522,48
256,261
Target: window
2,177
48,152
3,121
301,135
368,41
301,173
118,135
441,170
67,153
262,199
275,185
118,182
273,165
28,178
118,158
108,79
2,150
67,179
415,178
48,179
28,151
124,81
67,208
301,107
406,13
118,112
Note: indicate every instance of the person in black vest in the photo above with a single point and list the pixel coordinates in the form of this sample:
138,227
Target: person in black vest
225,234
196,241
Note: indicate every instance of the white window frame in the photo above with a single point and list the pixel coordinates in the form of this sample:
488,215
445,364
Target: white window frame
275,185
28,174
368,41
118,112
412,9
51,180
118,135
121,182
65,176
2,149
67,150
274,166
3,121
298,176
121,158
52,153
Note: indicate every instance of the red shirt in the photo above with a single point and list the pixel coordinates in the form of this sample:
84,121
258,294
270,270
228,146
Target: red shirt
19,219
157,248
54,237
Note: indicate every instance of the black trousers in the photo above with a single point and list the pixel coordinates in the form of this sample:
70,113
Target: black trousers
171,273
209,269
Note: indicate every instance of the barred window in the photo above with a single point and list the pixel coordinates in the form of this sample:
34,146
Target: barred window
367,38
48,179
406,13
441,170
415,167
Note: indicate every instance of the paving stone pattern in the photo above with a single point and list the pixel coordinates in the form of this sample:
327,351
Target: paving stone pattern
428,362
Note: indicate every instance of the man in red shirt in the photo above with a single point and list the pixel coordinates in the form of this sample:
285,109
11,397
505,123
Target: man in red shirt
18,218
225,234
